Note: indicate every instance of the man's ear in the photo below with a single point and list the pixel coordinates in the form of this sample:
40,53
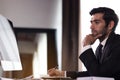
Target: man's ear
111,25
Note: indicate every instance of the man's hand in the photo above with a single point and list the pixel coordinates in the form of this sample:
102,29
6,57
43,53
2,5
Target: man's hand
90,39
55,72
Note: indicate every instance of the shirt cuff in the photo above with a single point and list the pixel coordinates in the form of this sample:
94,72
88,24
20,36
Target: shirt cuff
86,48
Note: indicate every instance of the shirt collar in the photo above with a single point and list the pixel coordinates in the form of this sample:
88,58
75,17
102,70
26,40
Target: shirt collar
104,41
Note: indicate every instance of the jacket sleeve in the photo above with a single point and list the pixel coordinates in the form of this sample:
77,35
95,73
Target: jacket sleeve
75,74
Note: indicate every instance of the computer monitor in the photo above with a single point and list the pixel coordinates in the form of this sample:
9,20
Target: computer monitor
9,53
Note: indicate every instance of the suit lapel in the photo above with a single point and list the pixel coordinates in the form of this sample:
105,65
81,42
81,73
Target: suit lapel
106,53
107,48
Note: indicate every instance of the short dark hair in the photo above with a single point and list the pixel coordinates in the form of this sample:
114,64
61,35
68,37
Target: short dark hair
109,15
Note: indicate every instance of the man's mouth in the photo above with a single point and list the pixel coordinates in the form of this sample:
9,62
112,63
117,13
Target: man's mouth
94,33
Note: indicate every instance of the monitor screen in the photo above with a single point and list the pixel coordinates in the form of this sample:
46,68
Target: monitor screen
9,53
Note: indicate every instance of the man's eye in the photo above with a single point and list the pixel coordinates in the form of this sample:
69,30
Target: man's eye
97,22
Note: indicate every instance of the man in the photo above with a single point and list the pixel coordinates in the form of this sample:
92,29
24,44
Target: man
103,23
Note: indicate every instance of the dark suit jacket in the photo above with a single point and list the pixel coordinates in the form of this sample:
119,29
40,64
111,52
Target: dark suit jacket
110,66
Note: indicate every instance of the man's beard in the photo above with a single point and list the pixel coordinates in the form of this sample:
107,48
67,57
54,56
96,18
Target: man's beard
104,34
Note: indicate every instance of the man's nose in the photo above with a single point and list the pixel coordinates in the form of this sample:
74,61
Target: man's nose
91,26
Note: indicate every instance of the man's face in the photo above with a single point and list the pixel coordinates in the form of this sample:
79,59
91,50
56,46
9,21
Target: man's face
98,25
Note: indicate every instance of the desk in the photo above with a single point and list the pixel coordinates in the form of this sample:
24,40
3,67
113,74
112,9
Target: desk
56,78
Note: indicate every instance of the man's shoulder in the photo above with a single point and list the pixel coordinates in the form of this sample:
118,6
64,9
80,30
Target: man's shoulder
116,39
117,36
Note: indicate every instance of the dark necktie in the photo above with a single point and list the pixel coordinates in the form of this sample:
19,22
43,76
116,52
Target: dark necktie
99,52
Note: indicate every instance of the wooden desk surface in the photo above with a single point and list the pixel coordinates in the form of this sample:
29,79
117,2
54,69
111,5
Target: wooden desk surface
56,78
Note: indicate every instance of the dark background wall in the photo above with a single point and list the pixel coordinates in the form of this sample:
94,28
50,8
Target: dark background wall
70,35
